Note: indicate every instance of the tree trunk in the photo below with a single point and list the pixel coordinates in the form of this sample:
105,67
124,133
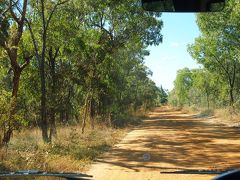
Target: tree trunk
92,113
232,79
17,70
52,67
67,116
109,120
7,136
208,101
43,123
231,91
11,47
62,116
231,97
85,114
53,131
16,79
84,119
45,24
9,128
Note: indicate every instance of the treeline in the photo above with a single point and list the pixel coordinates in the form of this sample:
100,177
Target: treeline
217,83
74,61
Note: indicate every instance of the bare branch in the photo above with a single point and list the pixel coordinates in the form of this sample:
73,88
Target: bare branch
3,13
104,29
24,11
33,39
11,4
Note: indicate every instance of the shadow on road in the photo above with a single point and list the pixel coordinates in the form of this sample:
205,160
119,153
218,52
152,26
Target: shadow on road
175,140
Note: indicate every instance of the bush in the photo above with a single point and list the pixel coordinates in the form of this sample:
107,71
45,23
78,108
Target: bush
206,113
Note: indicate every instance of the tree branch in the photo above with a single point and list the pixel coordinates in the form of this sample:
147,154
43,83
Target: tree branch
103,29
12,12
56,53
24,11
221,65
53,10
33,40
27,61
8,8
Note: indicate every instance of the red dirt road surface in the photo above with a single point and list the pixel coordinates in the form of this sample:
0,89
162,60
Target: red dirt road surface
170,140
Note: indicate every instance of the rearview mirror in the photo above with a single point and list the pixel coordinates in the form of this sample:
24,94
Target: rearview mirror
183,5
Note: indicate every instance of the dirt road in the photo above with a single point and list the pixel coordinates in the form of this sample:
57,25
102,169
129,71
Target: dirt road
170,140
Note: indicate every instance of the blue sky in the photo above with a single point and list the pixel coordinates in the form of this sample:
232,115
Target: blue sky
179,30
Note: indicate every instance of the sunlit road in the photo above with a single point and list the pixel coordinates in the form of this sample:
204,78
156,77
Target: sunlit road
167,141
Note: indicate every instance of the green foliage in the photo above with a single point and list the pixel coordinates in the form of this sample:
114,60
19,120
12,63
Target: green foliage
162,96
4,106
4,24
182,85
199,88
94,61
217,47
216,84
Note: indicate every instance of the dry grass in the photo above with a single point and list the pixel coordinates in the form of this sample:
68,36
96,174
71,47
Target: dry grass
191,110
70,151
223,117
226,117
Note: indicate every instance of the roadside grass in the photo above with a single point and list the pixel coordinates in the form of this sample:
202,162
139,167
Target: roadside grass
228,118
70,150
198,111
223,116
205,113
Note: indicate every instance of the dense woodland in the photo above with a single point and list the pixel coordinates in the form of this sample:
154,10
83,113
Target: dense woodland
217,83
82,62
74,61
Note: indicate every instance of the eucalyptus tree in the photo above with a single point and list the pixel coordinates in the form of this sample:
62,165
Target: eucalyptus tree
12,21
217,47
183,84
89,59
118,32
42,14
163,95
208,85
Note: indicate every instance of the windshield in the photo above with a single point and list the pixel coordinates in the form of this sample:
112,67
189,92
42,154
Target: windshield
105,88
